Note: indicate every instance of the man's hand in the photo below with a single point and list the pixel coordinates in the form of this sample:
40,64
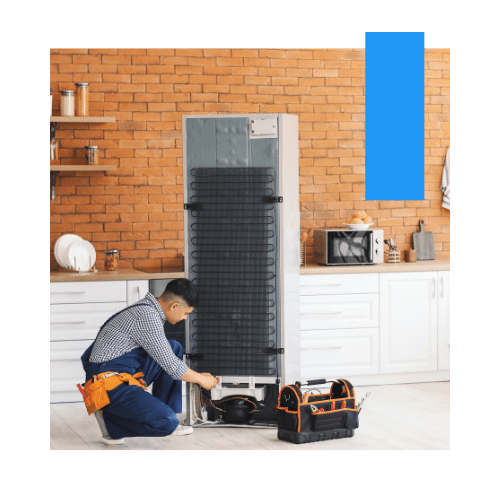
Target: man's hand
208,381
205,380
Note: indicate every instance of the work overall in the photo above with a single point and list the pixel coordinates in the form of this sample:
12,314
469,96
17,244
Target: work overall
132,411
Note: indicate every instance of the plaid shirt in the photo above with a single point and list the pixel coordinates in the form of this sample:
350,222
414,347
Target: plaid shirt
138,327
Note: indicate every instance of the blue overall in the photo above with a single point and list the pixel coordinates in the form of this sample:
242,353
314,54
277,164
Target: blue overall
132,411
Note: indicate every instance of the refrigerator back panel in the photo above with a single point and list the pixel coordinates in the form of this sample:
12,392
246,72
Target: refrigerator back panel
233,237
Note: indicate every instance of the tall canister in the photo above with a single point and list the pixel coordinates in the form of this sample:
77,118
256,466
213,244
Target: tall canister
82,99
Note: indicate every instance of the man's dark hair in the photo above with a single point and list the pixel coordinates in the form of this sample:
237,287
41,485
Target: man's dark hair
182,289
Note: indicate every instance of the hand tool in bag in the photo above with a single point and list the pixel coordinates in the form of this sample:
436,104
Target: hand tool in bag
363,399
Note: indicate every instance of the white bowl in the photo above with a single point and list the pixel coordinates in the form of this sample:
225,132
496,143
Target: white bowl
358,227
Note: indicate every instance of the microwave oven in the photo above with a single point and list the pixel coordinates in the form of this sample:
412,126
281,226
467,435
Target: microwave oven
347,247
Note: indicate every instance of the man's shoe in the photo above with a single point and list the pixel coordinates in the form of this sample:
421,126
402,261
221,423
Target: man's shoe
182,430
106,438
112,441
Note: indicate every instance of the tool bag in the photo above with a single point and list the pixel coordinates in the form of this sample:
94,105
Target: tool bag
317,417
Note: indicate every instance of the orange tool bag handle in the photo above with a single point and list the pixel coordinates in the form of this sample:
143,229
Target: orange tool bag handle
95,391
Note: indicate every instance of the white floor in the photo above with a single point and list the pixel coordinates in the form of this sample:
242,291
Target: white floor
394,417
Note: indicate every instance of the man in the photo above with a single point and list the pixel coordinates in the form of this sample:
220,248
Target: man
134,341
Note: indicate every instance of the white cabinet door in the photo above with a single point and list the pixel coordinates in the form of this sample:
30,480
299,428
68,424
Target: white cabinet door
443,320
326,312
408,322
338,284
66,370
85,292
136,290
338,353
80,321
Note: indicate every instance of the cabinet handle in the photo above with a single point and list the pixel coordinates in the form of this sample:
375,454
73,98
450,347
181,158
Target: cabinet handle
442,286
321,284
66,293
322,348
331,312
67,322
433,288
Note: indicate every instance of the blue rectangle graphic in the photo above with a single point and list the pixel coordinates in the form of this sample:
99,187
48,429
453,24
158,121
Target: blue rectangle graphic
394,147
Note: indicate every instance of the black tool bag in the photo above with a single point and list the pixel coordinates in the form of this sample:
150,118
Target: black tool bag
317,417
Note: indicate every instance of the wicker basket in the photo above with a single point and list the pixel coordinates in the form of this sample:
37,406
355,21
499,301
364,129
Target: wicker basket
393,256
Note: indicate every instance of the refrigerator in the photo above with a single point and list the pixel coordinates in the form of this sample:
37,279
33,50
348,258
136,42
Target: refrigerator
241,232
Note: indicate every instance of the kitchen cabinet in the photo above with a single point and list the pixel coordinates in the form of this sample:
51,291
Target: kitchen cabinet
77,311
339,325
388,327
443,320
408,322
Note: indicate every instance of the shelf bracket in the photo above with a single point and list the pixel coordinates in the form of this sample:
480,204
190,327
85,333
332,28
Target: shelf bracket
53,175
53,126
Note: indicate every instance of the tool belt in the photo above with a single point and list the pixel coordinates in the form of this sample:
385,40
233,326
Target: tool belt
303,418
95,390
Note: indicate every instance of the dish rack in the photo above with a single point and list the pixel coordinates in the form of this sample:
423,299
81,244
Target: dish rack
73,269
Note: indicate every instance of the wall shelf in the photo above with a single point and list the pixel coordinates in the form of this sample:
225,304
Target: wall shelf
80,168
82,119
55,169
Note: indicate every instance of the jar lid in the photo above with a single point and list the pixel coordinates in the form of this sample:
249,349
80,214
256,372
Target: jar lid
82,84
67,92
110,252
91,147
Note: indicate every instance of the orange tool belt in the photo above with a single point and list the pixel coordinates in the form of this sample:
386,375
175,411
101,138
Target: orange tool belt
95,390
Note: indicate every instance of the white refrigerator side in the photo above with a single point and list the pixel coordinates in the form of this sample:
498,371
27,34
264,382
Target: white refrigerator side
289,246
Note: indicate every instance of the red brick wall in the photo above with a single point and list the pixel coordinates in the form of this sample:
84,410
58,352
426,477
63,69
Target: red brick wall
138,208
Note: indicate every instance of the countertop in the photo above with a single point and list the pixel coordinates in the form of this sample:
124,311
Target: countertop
402,267
117,275
134,274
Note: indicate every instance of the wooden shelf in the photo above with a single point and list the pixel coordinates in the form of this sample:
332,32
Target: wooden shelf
82,119
80,168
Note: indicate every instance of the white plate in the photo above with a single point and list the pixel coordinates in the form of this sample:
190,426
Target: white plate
81,255
358,227
62,245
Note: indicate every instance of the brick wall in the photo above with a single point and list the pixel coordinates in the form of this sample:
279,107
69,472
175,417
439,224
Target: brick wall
138,208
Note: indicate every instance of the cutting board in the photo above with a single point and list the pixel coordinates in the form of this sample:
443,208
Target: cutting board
423,243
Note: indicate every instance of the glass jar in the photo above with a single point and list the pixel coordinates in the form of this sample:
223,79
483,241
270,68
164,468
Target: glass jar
82,99
67,103
54,150
111,260
92,155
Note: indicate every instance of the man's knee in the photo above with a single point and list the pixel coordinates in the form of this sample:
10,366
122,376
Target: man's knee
163,426
176,348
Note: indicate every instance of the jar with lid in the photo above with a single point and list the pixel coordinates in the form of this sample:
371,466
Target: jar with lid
111,261
92,155
67,103
82,99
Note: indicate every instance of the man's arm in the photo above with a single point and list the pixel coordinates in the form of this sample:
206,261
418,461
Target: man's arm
206,380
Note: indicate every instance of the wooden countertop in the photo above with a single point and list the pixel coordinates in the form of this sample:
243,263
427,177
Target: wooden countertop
117,275
134,274
403,267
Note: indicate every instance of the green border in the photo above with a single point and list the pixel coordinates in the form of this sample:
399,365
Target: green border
25,215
